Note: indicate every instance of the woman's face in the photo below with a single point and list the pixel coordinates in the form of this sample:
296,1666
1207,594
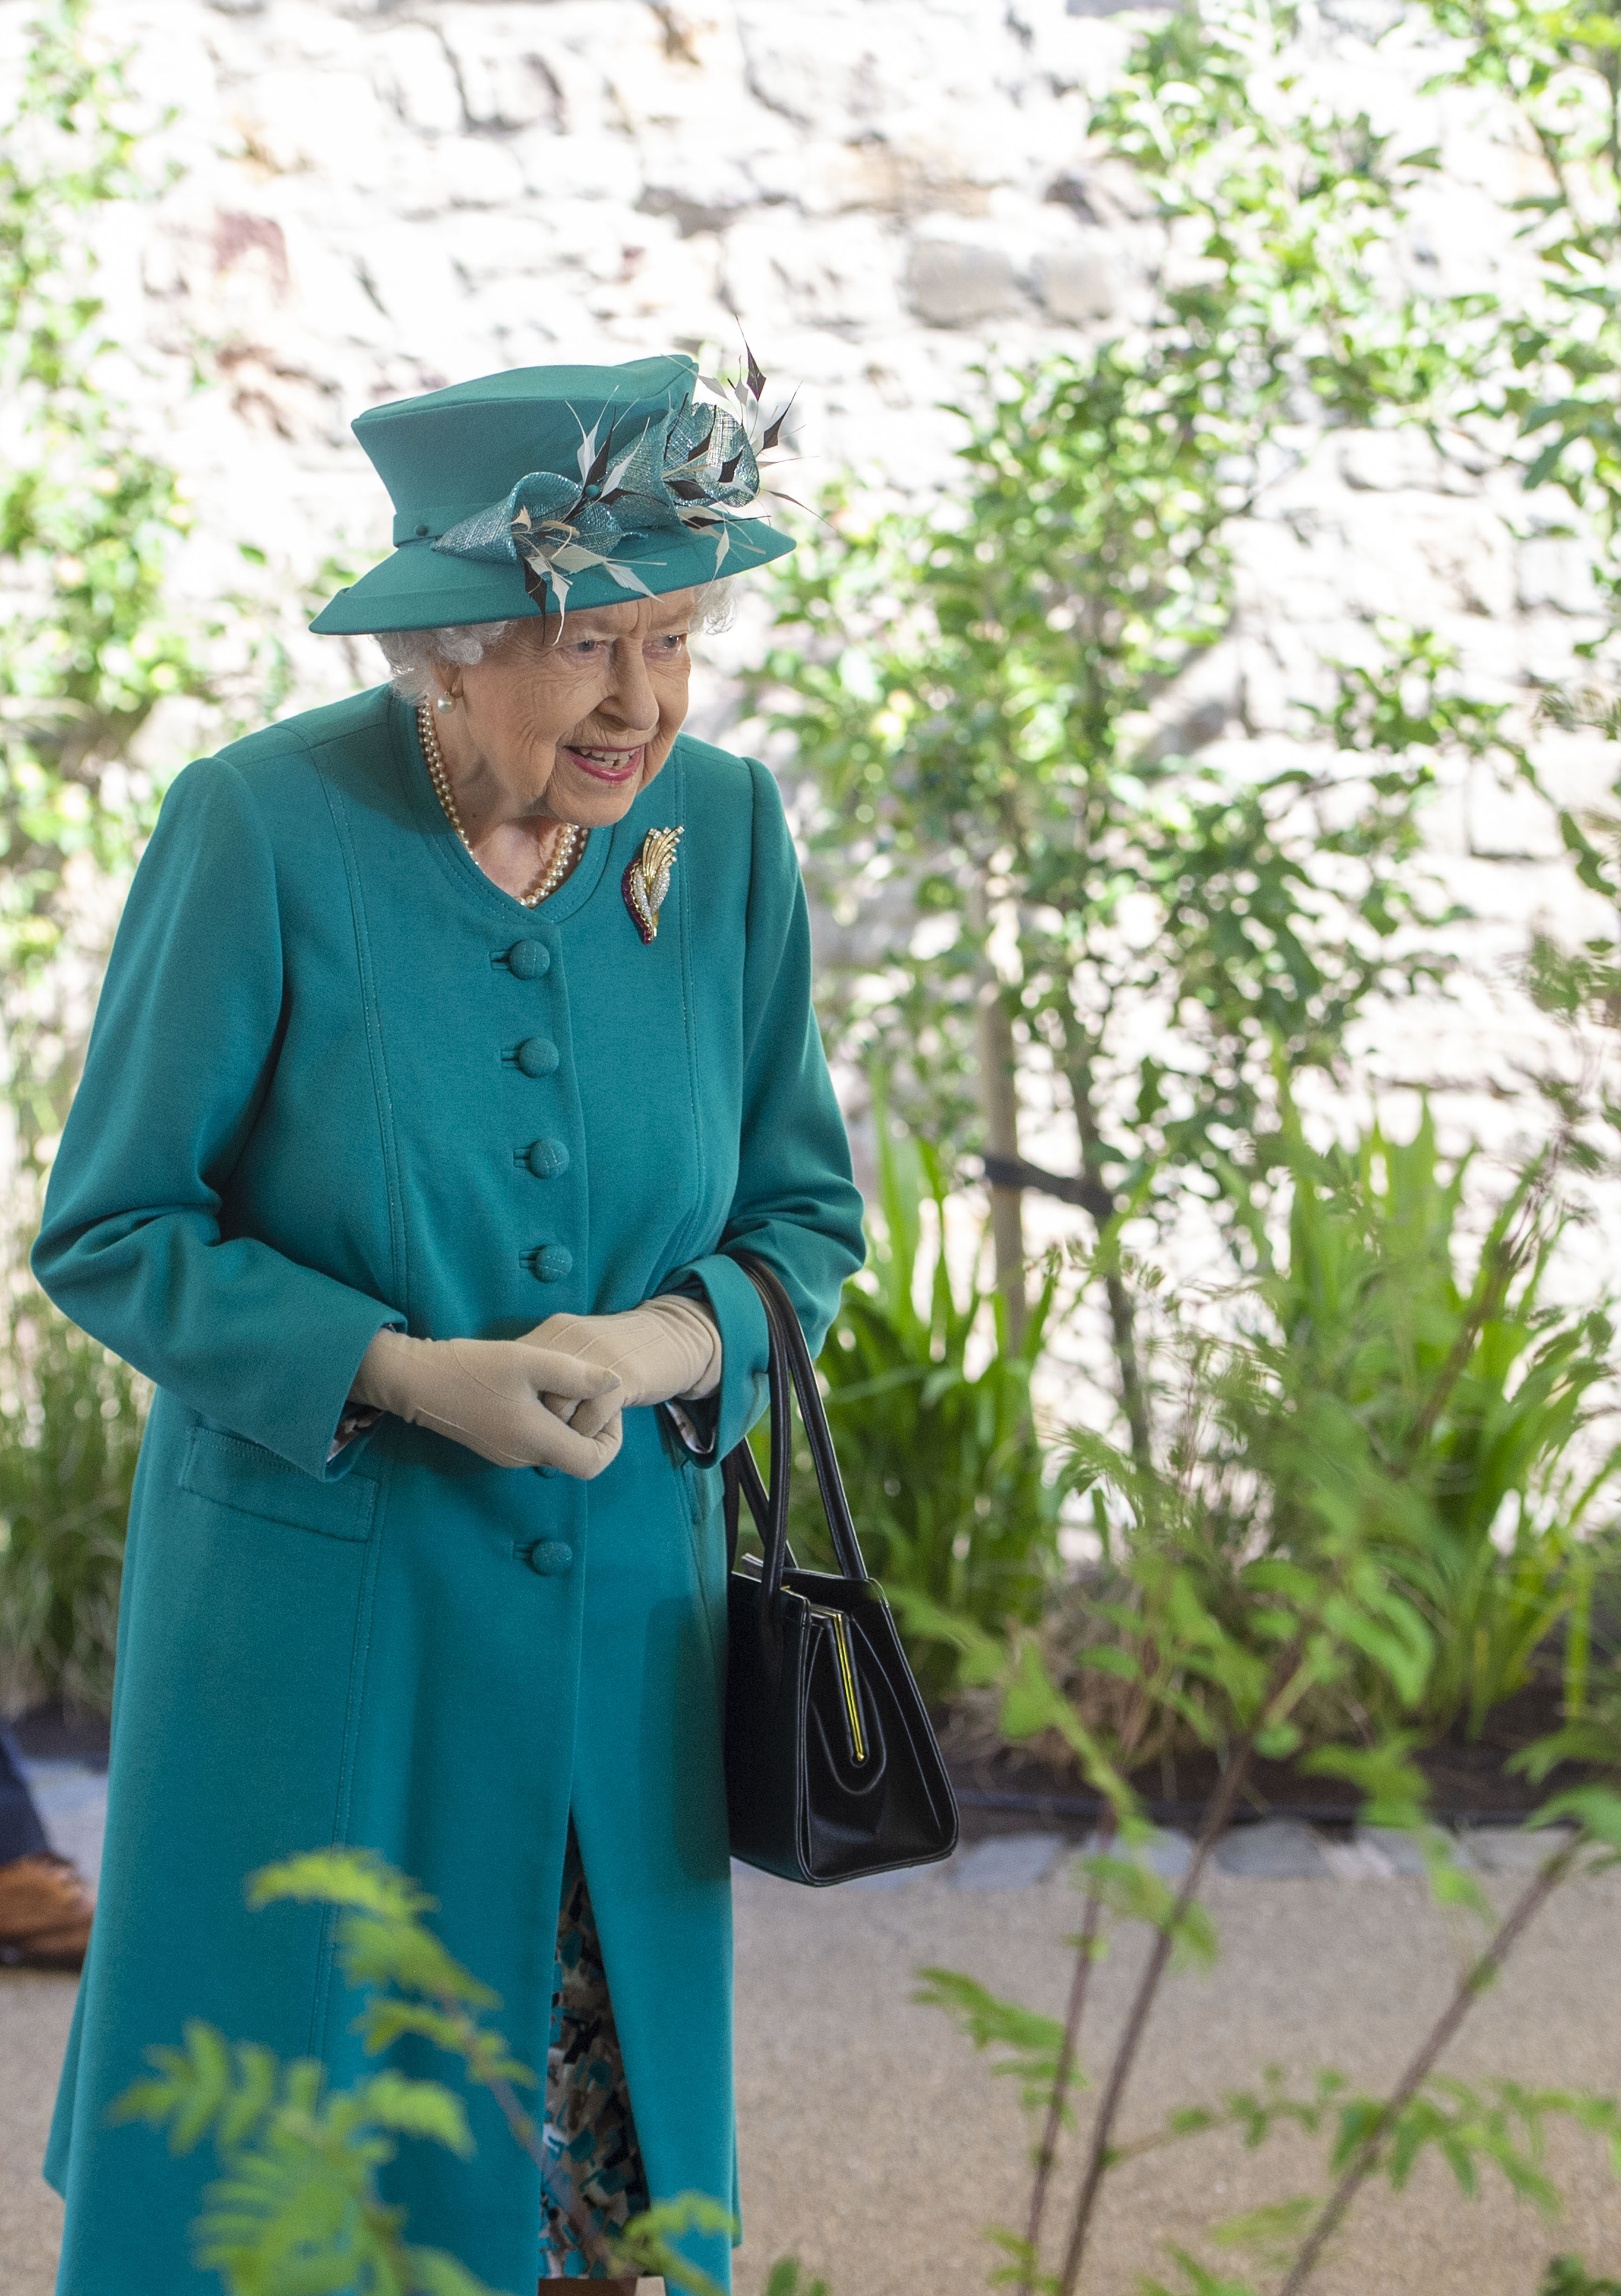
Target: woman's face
578,716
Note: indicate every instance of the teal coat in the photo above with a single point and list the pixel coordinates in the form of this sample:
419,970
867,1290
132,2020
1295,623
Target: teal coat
338,1079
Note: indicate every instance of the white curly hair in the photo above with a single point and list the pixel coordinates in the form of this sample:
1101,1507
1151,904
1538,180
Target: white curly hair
415,656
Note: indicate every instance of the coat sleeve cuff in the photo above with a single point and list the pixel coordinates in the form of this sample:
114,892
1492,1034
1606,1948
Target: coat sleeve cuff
356,1423
307,1434
744,1391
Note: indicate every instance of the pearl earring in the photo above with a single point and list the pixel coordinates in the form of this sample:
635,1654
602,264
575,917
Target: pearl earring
445,703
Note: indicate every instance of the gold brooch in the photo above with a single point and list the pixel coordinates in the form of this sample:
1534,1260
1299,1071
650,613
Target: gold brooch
647,881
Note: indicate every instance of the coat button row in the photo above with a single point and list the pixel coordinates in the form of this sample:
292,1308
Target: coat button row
548,1160
536,1056
526,960
551,1262
549,1558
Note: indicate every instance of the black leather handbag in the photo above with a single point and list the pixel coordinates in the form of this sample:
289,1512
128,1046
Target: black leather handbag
832,1770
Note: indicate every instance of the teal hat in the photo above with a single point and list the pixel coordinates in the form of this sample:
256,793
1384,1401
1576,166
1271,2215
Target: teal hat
552,486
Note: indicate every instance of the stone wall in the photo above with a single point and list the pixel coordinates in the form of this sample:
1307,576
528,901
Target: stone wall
375,197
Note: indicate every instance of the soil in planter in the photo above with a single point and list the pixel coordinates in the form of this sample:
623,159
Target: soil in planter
1009,1789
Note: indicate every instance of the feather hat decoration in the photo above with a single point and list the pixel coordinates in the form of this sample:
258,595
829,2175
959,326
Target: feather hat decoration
545,489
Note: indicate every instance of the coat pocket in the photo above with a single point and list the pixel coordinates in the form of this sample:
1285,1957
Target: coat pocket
233,1472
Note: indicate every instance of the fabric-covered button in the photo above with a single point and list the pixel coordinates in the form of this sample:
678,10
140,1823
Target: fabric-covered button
549,1558
528,960
551,1262
546,1159
536,1056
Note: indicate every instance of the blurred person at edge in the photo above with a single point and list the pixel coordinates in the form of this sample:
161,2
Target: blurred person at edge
452,1036
44,1905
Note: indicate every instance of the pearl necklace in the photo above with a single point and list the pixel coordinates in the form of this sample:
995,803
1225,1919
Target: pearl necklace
568,845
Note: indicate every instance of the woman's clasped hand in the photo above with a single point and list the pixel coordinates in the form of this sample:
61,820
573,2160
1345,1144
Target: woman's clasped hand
555,1397
666,1351
491,1396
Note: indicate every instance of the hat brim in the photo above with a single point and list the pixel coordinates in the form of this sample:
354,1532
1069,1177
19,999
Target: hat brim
421,588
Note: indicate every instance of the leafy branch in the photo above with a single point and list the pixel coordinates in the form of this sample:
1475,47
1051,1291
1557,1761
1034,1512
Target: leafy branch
295,2211
91,524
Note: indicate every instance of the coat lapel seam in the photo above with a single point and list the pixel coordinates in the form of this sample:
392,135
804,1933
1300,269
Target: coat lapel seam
682,1247
400,1267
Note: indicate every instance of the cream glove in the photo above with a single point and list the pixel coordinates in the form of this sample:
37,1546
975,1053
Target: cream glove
495,1396
666,1348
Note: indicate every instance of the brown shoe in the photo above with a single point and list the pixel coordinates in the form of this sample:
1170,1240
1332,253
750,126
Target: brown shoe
45,1913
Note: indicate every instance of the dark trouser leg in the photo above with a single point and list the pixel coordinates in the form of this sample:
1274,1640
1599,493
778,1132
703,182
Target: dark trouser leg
21,1835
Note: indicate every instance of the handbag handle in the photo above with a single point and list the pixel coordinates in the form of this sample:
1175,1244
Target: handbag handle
791,1363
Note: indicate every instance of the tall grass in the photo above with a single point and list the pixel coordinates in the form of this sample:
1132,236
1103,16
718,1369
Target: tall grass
947,1475
1386,1374
70,1422
1488,1404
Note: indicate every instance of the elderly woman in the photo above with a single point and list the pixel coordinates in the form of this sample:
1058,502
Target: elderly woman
453,1035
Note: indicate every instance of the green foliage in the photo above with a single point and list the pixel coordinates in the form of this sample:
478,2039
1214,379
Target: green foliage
90,522
997,703
1389,1389
786,2278
295,2210
647,2247
1128,1888
983,697
1500,2124
1595,1809
295,2204
1408,1411
947,1477
1474,2128
1197,2280
411,1984
1567,2275
968,696
71,1424
1551,78
1553,74
1448,1394
1291,212
1366,1526
1025,2044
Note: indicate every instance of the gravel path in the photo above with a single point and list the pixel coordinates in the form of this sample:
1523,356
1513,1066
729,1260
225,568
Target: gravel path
875,2145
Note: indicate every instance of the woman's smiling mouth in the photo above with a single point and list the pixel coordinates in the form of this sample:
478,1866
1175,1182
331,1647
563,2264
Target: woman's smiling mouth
606,765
